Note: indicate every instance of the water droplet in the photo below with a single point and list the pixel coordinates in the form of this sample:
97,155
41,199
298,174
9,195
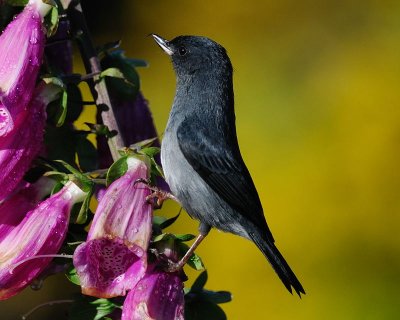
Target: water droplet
33,40
67,196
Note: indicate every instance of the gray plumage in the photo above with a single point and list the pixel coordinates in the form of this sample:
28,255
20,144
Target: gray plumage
200,153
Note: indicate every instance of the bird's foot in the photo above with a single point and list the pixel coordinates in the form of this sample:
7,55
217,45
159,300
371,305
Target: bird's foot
173,266
168,264
158,196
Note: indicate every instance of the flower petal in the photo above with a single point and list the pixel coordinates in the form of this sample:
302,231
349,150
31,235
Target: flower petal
108,268
26,198
158,296
20,146
21,51
41,231
123,211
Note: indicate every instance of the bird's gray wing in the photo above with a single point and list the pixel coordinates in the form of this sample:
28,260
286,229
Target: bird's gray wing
221,166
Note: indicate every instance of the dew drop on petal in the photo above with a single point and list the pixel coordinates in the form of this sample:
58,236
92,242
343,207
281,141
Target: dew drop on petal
67,196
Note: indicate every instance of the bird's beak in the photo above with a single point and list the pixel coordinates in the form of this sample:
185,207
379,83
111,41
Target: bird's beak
163,44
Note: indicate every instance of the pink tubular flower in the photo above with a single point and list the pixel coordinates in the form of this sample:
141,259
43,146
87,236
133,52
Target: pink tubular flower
40,232
22,145
135,122
22,45
21,52
158,296
26,198
113,258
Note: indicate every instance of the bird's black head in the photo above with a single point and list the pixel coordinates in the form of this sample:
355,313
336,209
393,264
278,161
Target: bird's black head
194,54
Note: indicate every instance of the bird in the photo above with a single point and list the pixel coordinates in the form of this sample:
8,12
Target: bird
200,154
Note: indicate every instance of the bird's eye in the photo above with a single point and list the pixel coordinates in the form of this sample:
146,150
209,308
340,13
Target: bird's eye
182,51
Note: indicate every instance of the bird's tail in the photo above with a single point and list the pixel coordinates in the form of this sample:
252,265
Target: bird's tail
279,264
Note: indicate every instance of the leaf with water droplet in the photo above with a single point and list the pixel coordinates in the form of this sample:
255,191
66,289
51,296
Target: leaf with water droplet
195,262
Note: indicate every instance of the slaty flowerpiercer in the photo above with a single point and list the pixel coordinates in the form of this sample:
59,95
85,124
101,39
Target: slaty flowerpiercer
200,153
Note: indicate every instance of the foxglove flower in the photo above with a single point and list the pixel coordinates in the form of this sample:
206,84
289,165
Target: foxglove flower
21,52
158,296
113,259
22,145
136,124
25,198
134,120
24,249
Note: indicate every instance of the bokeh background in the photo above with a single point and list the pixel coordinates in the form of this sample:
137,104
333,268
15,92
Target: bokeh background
318,119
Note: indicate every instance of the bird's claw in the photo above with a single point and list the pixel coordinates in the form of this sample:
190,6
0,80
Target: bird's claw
168,264
158,196
173,266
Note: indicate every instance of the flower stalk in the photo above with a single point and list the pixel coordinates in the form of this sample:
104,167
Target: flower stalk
92,64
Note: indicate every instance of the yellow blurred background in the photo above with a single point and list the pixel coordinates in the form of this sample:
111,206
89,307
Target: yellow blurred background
318,120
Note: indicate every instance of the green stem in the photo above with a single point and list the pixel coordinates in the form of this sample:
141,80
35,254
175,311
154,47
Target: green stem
92,64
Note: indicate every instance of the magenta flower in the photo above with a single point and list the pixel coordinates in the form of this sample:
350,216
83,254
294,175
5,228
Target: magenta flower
40,232
21,52
113,259
135,122
158,296
22,145
26,197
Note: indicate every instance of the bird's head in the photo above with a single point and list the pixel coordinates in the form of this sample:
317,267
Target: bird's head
194,54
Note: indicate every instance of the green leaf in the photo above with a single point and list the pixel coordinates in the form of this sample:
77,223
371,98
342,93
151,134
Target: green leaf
200,282
17,3
100,129
87,154
62,111
83,212
57,187
55,81
201,309
142,144
177,237
137,62
72,275
184,237
51,19
109,46
128,87
156,170
86,183
150,151
167,222
117,170
85,308
158,220
114,73
75,106
195,262
217,296
164,237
